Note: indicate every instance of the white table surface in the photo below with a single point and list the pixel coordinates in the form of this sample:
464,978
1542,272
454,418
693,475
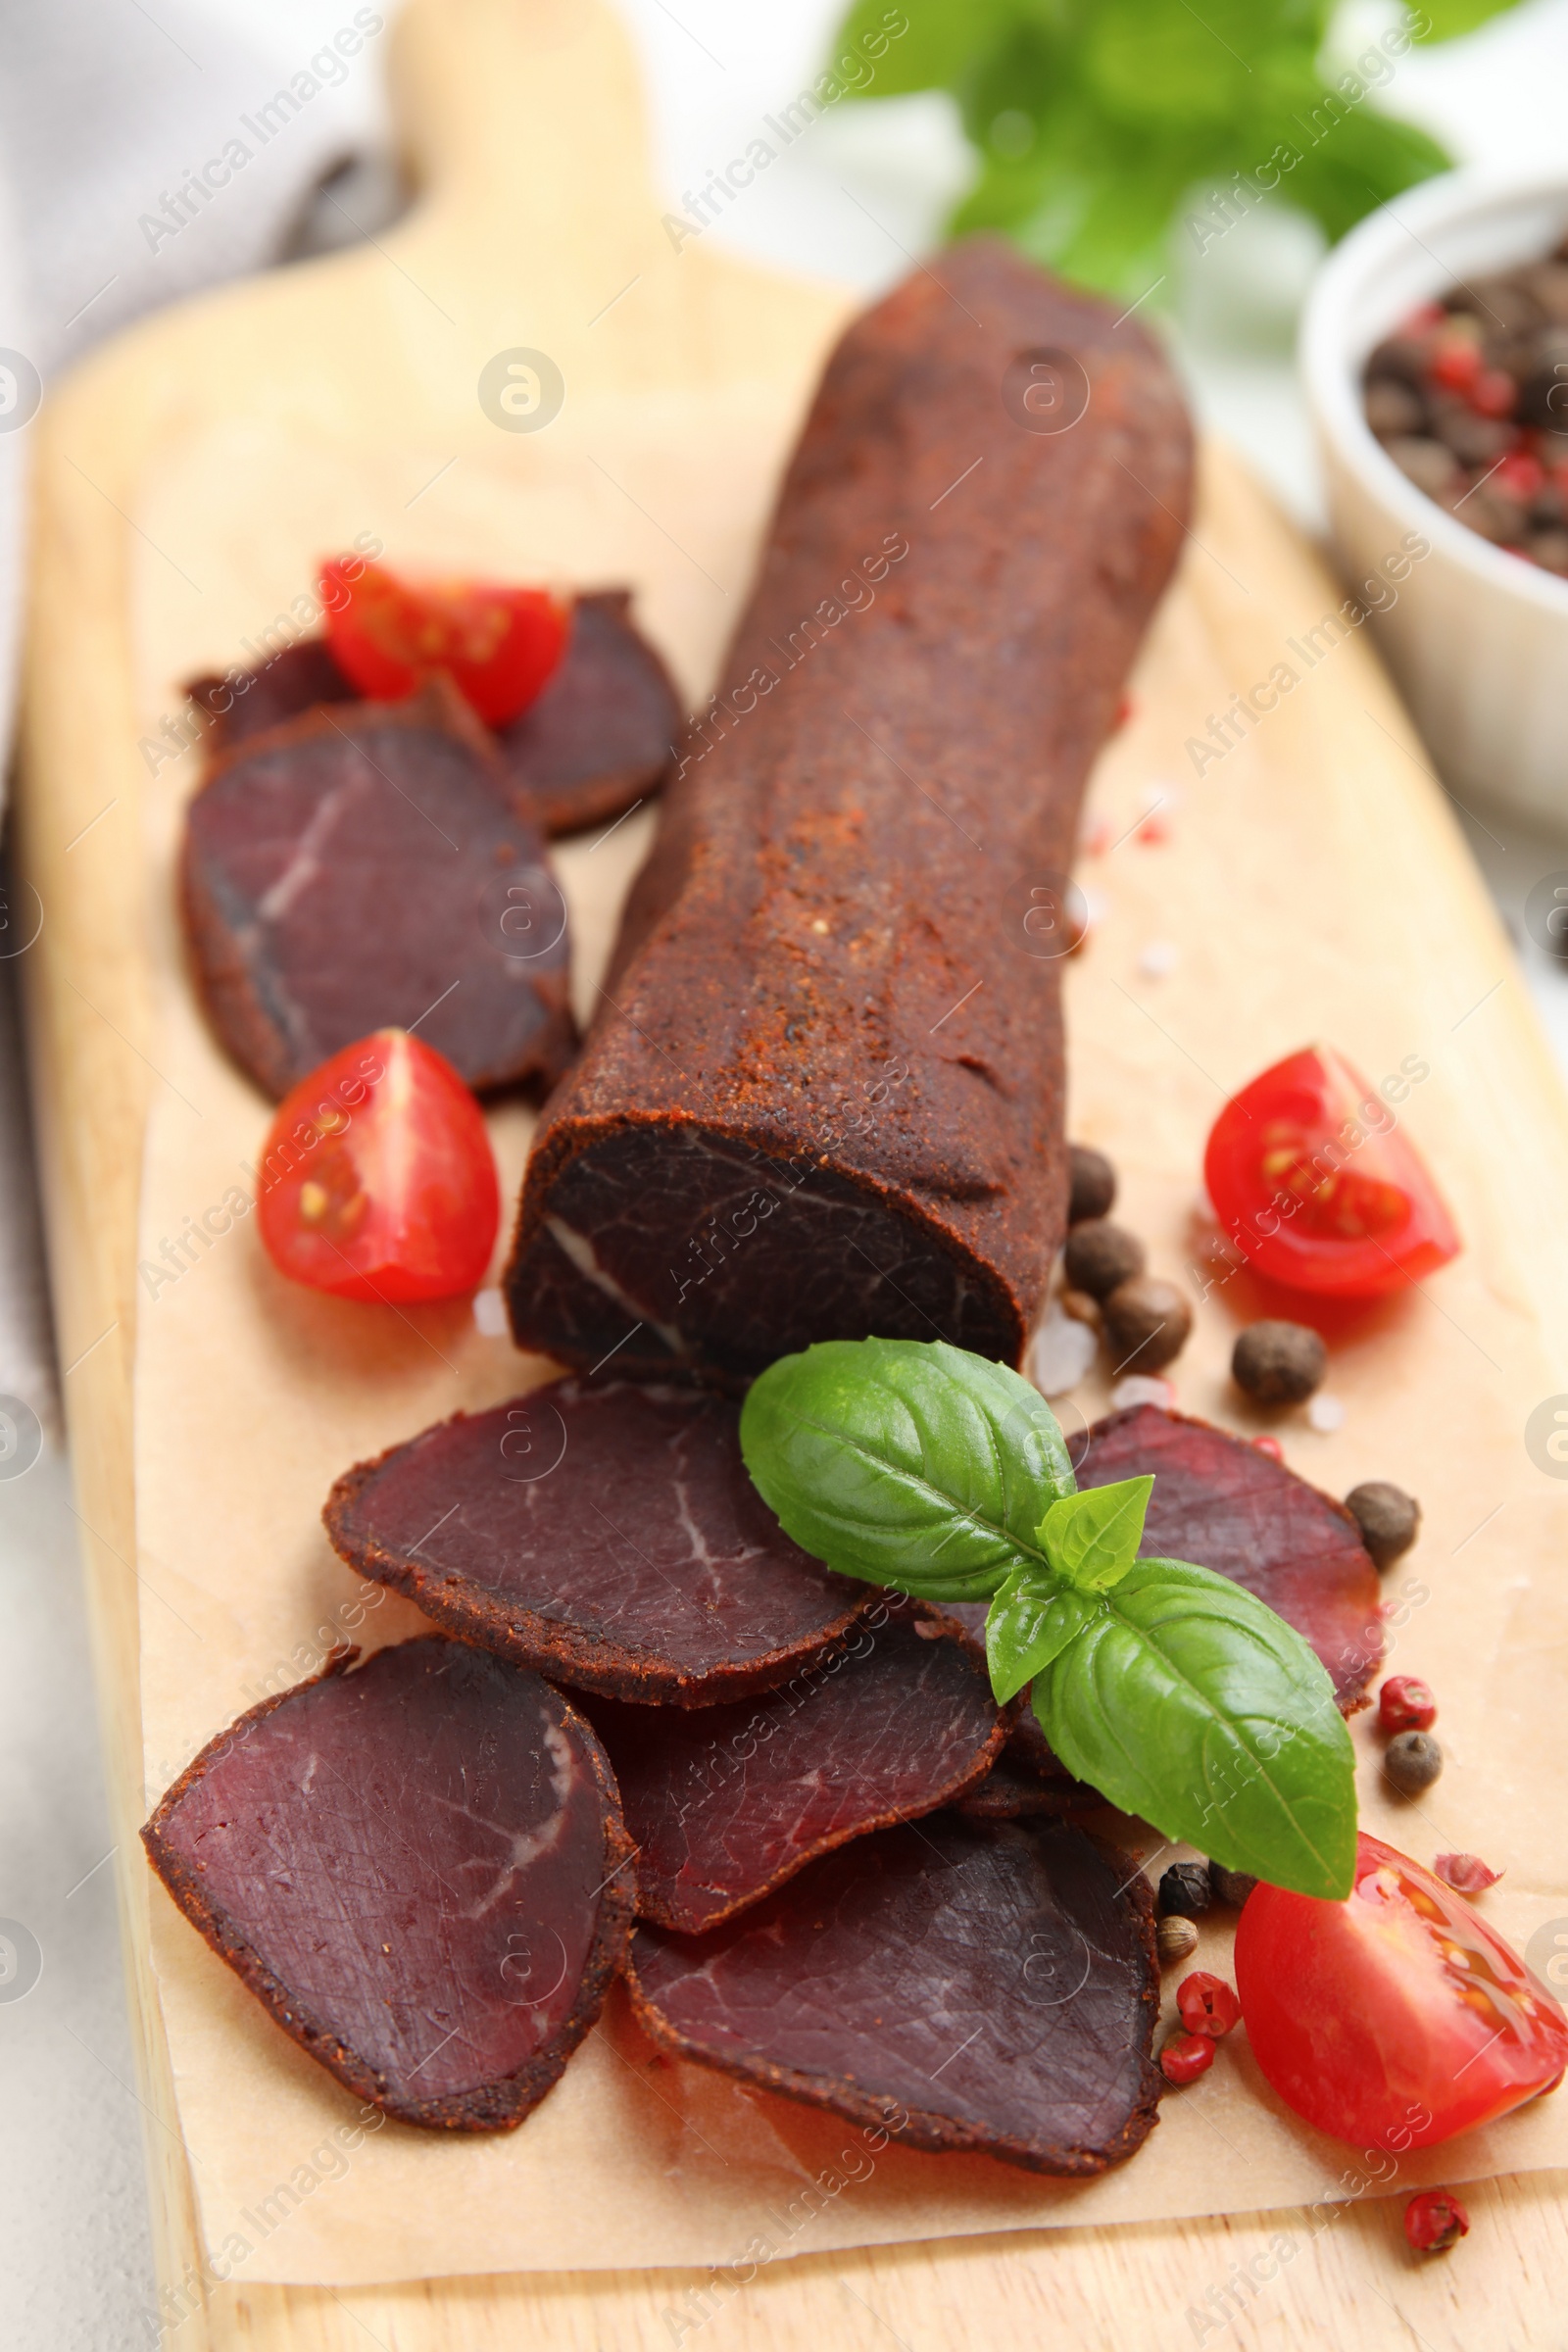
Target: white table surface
863,190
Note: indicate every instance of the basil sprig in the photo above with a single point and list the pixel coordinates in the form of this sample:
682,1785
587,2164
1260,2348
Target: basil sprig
1172,1691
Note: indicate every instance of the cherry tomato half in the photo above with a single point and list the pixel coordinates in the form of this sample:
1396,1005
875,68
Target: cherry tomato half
377,1180
499,646
1312,1181
1397,2017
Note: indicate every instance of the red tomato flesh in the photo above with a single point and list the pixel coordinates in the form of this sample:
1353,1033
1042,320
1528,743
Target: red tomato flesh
1397,2017
499,646
1312,1181
377,1180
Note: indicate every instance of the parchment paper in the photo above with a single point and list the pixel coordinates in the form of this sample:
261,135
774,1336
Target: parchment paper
251,1395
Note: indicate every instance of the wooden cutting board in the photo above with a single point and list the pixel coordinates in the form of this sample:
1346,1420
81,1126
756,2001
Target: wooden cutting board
686,375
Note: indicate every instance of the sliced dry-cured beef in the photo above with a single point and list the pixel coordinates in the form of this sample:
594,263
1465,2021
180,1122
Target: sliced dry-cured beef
961,1985
1220,1503
419,1868
609,1537
1011,1790
301,677
724,1803
371,869
598,738
601,733
826,1101
1027,1744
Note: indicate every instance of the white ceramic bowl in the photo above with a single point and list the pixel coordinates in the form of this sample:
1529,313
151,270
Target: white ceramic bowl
1477,639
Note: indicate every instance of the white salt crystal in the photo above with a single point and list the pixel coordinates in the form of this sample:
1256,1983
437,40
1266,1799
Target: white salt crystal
490,1314
1326,1414
1141,1388
1060,1353
1159,959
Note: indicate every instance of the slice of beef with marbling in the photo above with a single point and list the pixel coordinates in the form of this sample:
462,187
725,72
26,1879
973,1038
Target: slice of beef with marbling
609,1537
988,1987
419,1868
1222,1504
724,1803
371,870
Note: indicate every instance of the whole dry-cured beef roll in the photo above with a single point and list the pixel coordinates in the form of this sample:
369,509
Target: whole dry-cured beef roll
825,1100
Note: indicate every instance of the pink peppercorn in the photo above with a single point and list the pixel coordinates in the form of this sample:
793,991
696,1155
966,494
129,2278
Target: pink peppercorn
1185,2056
1405,1705
1435,2220
1208,2004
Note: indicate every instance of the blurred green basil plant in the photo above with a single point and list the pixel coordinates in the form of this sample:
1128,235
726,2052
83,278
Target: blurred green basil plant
1101,126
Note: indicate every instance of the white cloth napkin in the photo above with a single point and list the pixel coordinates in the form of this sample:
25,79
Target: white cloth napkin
145,153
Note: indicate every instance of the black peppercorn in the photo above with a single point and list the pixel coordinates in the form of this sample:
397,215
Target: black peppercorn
1386,1516
1185,1891
1091,1182
1147,1322
1412,1761
1099,1256
1231,1886
1278,1363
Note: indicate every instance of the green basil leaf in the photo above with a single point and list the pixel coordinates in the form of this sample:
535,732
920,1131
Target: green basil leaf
1030,1622
1095,126
906,1461
1091,1538
1190,1702
936,47
1445,19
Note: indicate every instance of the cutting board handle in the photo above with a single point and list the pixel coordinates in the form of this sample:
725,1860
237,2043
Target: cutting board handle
518,113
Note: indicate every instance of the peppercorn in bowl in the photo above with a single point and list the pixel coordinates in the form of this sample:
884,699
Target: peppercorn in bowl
1469,397
1429,351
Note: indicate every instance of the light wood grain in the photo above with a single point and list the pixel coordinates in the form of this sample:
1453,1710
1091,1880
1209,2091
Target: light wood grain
524,126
